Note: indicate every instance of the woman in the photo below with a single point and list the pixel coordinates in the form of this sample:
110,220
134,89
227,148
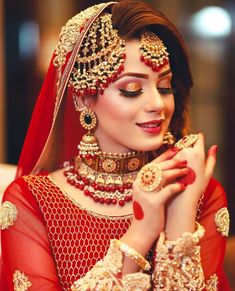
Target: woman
129,201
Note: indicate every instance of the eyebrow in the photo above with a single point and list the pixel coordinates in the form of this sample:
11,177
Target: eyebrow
143,76
137,75
162,74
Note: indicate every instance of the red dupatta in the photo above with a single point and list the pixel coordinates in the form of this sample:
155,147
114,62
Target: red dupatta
55,131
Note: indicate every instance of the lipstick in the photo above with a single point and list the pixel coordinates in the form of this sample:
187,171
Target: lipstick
152,127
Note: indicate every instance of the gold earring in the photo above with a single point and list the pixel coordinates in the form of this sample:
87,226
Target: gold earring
168,138
88,146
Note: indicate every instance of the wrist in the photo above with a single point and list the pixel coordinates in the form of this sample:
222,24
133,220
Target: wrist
180,221
141,242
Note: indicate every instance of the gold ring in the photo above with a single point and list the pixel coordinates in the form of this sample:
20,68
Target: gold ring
149,177
186,141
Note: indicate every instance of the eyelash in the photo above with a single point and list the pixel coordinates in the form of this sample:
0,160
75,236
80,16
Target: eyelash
131,93
163,91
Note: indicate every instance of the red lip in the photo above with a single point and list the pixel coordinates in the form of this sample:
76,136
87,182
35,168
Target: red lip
155,121
153,126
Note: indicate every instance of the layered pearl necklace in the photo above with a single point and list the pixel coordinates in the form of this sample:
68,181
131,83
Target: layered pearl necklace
106,178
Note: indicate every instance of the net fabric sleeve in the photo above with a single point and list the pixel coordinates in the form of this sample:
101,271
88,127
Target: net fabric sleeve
214,217
26,253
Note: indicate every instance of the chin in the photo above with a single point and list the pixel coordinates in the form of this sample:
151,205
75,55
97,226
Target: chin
148,147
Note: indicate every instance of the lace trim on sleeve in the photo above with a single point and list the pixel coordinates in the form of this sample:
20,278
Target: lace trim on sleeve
178,263
107,275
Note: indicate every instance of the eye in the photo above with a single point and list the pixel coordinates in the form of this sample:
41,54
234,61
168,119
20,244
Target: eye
131,89
167,90
164,86
127,93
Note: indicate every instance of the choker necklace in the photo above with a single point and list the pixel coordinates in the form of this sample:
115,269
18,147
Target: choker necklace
107,178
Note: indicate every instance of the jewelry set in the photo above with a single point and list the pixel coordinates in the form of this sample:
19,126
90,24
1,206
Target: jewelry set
107,178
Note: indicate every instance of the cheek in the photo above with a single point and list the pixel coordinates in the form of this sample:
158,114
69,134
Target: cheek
170,106
115,107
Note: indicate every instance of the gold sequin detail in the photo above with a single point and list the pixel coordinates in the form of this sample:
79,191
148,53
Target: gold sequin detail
212,283
21,281
79,238
8,214
222,221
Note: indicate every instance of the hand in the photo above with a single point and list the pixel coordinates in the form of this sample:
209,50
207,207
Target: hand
182,209
149,207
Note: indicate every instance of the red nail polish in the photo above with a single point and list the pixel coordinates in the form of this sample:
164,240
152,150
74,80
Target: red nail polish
174,149
182,186
212,151
183,163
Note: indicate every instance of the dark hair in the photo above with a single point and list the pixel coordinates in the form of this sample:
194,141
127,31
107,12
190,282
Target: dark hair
130,18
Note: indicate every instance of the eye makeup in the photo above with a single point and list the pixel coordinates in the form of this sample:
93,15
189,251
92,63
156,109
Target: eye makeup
131,89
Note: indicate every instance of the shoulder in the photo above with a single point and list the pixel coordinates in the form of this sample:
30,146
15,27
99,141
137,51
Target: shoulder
20,192
18,204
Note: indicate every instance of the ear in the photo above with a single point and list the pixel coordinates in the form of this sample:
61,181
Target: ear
87,101
82,102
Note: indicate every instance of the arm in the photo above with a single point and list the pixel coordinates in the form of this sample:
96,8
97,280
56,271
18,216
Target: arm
215,218
173,259
27,257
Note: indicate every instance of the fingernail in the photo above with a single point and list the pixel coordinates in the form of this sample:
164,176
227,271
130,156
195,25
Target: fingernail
183,163
182,186
174,149
213,150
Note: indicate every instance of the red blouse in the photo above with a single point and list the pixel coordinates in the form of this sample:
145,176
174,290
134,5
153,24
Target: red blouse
54,241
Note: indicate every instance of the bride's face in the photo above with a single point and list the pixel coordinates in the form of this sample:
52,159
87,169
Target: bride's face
135,111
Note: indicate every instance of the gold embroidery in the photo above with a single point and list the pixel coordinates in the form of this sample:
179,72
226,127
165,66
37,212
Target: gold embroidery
8,214
107,275
178,263
21,281
222,221
212,283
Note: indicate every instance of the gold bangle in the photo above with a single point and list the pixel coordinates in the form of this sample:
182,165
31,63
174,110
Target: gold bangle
132,254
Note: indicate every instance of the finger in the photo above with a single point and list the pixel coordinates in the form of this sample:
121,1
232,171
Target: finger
169,191
211,161
200,143
173,163
171,175
166,155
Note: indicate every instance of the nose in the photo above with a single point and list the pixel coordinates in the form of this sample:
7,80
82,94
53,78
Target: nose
155,101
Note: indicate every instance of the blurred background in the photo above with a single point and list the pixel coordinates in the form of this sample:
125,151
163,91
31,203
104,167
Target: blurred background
29,31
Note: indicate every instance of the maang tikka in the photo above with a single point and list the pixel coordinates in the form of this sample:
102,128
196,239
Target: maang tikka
88,146
153,52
